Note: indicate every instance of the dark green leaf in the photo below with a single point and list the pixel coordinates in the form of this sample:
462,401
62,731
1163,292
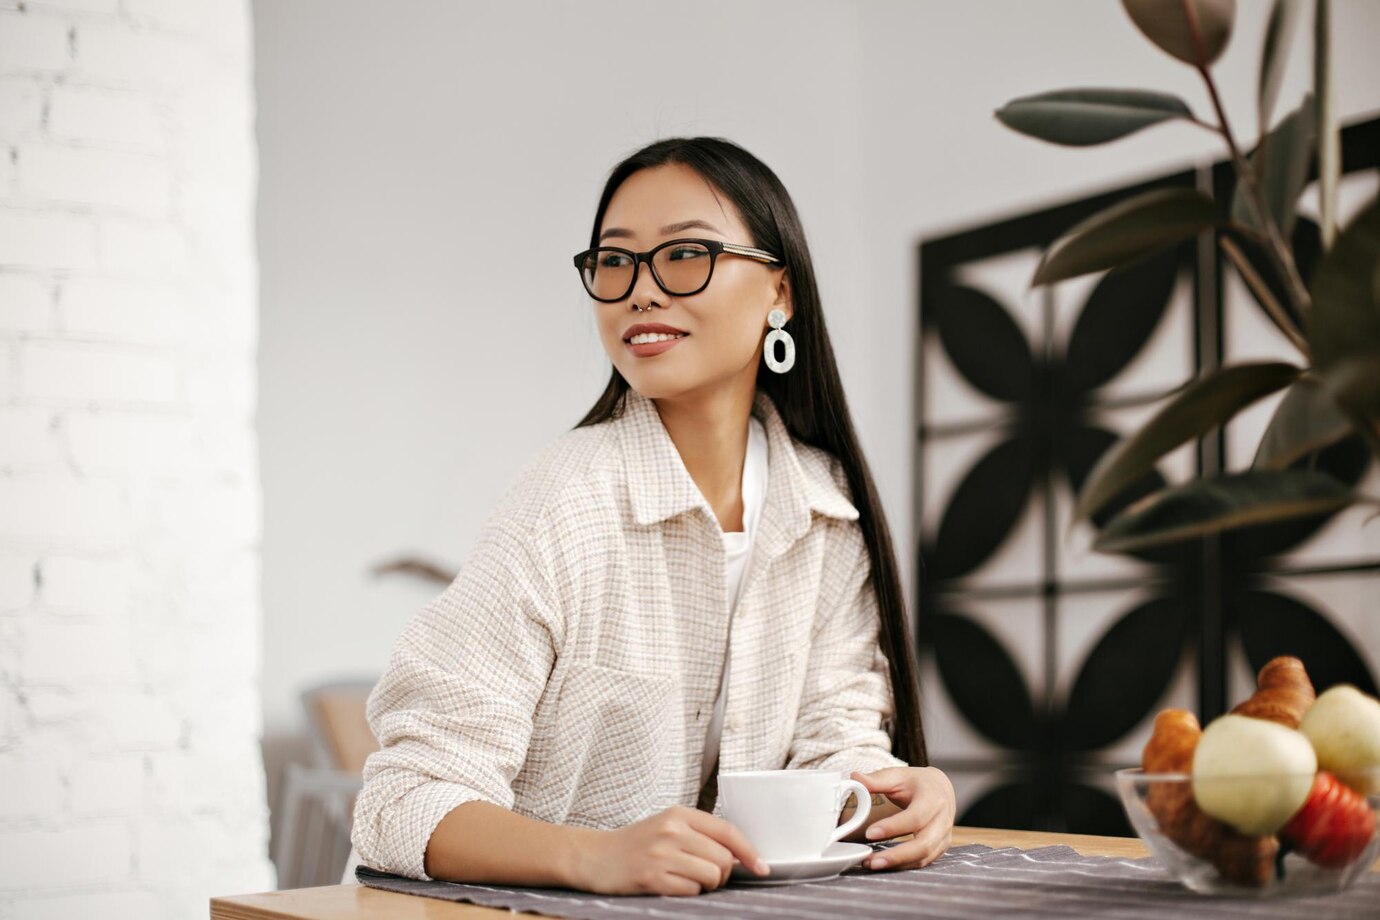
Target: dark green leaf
1127,231
1081,448
1083,117
1306,246
1344,329
1328,131
1281,169
1207,506
1244,549
1307,419
1166,23
1273,54
1198,408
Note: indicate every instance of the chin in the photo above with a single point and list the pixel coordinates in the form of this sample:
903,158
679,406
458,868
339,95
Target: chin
654,389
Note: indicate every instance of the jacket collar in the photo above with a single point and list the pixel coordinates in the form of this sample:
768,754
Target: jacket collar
799,481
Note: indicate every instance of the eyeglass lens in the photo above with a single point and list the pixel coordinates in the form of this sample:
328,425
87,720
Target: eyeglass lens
682,268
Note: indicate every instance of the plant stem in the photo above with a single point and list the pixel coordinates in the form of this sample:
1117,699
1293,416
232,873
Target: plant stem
1247,231
1255,200
1262,293
1284,260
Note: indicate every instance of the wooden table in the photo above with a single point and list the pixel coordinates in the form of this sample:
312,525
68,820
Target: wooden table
356,902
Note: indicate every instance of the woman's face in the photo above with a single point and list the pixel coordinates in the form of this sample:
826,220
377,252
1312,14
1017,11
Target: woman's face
723,325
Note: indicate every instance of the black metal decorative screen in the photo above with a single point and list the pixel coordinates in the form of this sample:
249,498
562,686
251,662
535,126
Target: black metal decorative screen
1043,663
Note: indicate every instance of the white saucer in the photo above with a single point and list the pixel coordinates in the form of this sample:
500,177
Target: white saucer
837,857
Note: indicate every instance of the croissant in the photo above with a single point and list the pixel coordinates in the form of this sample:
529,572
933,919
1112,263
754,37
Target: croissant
1285,693
1243,860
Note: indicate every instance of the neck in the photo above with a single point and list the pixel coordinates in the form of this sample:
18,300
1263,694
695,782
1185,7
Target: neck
710,432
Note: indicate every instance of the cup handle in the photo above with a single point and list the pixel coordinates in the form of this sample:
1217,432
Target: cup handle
864,799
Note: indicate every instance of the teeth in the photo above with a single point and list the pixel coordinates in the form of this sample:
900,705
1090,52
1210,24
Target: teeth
647,338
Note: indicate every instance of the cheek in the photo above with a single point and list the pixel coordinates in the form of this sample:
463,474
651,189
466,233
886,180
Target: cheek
610,330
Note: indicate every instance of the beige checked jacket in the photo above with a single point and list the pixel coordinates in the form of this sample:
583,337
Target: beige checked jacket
569,671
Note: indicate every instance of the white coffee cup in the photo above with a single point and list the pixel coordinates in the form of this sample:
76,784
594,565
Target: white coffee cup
791,814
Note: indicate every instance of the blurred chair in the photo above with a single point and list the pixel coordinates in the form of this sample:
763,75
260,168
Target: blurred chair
318,800
357,728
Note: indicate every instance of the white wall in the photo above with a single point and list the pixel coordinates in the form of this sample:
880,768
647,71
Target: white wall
426,177
131,782
427,173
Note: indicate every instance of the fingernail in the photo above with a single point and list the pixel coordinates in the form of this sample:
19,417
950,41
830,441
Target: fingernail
761,867
877,863
874,832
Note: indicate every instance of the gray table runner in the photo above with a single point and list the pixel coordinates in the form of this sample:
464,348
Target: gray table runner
967,882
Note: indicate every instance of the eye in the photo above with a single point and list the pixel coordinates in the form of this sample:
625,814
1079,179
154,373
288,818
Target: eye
688,251
613,260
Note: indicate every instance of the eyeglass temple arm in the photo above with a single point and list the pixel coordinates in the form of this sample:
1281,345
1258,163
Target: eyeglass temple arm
760,255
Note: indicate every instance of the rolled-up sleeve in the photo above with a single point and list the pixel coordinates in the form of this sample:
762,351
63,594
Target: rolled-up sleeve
453,711
846,698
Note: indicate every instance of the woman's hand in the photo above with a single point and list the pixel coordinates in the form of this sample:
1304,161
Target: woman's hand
926,799
680,851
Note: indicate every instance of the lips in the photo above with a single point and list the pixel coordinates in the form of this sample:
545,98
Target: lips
662,343
651,328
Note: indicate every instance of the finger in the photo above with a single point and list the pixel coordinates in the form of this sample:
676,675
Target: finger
918,815
702,872
720,830
710,850
889,779
939,849
920,851
676,886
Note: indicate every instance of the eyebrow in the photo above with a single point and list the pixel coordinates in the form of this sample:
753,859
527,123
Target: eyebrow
669,228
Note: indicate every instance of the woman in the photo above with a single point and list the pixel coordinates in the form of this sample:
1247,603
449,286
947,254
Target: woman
681,584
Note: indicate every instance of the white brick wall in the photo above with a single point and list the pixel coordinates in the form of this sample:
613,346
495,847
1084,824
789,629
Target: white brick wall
131,782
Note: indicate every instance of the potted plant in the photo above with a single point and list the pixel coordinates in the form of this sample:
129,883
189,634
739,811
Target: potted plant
1333,389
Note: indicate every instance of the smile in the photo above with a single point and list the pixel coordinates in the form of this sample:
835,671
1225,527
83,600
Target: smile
648,344
649,337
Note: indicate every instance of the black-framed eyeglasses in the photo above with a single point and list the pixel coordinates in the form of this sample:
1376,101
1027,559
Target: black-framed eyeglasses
680,267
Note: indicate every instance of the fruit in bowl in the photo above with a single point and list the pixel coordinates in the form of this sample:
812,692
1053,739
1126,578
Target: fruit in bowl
1276,797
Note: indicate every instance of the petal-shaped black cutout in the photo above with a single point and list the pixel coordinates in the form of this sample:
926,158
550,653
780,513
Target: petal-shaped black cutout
1243,549
983,681
1089,810
1308,251
1119,318
984,508
984,343
1274,624
1033,805
1126,673
1021,806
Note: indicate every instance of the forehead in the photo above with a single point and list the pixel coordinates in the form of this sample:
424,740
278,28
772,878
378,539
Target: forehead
652,198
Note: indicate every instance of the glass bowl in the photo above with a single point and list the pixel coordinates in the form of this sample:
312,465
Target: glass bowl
1264,872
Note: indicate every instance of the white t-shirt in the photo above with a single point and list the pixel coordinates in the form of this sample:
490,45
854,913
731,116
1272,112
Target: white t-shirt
737,552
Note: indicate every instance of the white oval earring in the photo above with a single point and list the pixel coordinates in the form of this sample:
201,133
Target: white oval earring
776,319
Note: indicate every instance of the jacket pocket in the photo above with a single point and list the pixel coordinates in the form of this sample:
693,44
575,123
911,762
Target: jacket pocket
617,739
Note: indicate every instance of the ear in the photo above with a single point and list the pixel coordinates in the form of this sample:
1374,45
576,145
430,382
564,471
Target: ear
784,301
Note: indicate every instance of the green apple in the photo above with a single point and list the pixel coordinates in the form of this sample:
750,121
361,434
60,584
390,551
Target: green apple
1252,774
1344,726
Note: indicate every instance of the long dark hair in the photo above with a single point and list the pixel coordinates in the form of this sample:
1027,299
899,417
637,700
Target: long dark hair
809,399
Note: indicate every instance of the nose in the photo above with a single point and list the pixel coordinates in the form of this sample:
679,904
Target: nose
646,293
